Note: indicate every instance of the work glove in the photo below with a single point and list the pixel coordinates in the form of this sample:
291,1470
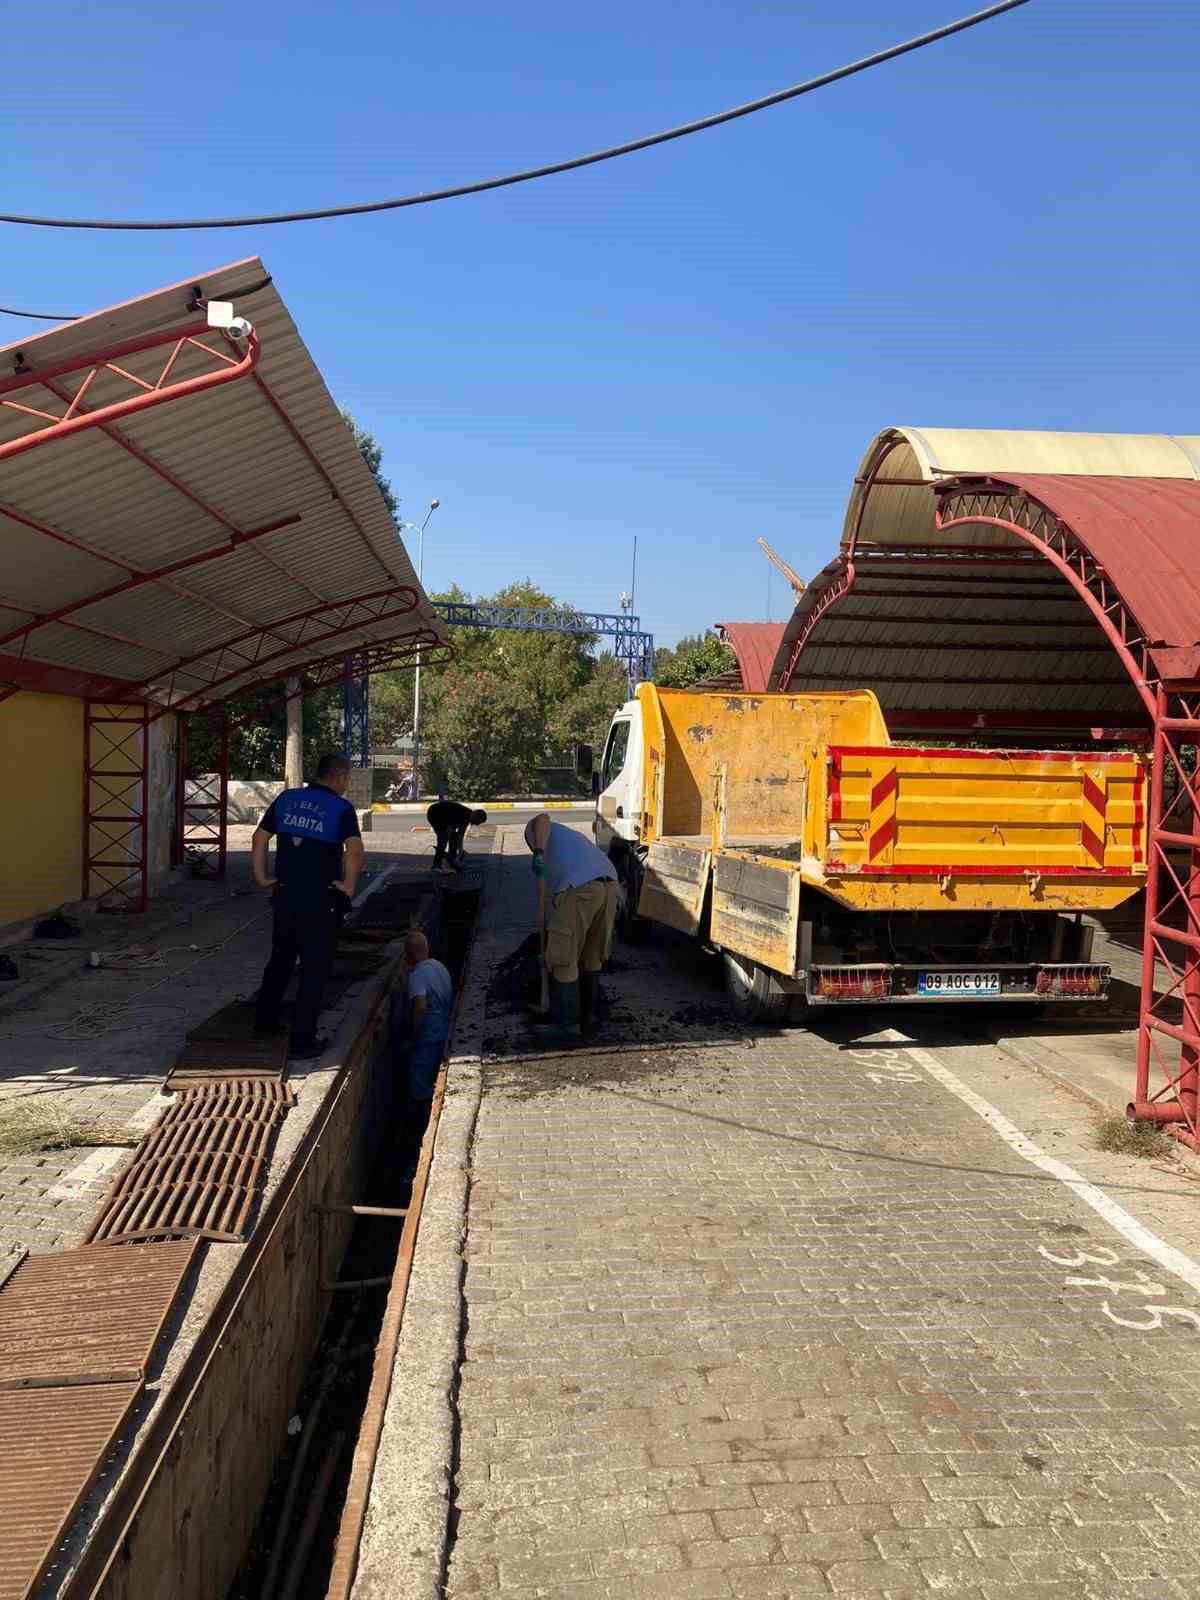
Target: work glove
539,864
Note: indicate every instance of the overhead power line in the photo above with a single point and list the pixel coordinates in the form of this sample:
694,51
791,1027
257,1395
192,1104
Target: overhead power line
40,316
528,174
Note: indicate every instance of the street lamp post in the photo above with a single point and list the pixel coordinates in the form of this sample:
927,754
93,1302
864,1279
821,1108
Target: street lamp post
416,744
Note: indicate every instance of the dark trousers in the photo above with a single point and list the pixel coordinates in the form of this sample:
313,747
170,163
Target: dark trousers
307,933
449,843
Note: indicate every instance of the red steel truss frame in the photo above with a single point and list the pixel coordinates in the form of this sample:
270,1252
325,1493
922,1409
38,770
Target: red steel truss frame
1169,1020
116,804
246,652
75,417
201,825
119,714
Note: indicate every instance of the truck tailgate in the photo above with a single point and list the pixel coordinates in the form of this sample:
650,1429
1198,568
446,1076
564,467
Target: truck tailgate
674,885
901,811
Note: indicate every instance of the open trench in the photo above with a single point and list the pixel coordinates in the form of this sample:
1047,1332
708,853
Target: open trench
291,1551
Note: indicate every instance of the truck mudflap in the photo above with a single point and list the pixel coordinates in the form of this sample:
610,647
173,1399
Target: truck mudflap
673,886
903,984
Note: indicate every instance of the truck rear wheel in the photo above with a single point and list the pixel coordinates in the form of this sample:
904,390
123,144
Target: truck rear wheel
755,993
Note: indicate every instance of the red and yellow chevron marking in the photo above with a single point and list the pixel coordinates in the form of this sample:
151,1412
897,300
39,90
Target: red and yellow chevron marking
881,830
1092,827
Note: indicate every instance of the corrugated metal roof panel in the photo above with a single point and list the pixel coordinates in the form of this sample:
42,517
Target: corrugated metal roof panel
268,447
1145,532
754,644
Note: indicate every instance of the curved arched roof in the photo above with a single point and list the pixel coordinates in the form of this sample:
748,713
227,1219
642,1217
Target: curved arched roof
755,644
980,572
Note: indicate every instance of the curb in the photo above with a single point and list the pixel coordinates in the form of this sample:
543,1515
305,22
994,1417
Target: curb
1035,1060
406,1528
414,808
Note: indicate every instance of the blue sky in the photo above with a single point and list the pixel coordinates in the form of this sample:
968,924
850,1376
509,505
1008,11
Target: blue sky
693,344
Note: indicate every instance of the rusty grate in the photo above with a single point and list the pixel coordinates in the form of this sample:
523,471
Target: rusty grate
232,1082
53,1443
90,1315
198,1171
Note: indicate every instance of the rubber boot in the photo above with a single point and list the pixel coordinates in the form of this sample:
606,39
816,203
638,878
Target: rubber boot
589,1003
562,1025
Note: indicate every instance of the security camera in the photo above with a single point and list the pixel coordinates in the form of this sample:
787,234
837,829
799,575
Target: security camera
219,314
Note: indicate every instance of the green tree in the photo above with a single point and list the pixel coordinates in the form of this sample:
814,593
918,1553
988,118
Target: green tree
258,732
482,740
700,656
372,453
583,717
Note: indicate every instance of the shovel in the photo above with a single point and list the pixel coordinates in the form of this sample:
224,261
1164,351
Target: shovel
543,971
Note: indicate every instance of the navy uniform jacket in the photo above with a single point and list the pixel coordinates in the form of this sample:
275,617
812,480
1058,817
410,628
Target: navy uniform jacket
311,826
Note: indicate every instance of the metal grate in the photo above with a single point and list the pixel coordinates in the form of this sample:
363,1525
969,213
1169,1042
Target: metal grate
198,1171
53,1443
269,1089
90,1315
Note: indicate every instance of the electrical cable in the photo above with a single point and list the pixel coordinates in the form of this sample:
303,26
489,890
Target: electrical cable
528,174
77,316
98,1017
39,316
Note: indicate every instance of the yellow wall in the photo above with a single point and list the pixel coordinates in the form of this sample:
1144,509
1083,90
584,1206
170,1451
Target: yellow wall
41,747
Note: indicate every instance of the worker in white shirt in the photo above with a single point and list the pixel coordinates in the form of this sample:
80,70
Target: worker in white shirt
581,884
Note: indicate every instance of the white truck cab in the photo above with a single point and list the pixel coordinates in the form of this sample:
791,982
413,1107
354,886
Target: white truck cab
619,793
617,824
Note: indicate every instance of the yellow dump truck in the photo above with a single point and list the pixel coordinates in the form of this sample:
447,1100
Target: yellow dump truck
828,865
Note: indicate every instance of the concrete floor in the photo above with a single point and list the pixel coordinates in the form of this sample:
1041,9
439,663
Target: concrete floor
852,1311
96,1043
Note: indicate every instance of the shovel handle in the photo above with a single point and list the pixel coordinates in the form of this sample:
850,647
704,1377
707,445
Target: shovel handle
544,974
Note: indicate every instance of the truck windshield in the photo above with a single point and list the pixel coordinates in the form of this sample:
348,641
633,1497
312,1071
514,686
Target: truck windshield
614,755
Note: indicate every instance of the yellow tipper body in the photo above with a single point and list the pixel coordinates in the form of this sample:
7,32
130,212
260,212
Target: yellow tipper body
773,794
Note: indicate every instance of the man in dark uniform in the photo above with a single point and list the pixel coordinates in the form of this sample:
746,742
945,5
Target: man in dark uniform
450,822
318,857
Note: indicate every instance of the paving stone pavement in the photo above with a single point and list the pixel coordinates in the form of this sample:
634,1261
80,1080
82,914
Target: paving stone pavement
785,1317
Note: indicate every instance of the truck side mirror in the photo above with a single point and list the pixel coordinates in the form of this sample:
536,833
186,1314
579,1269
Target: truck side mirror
584,760
595,784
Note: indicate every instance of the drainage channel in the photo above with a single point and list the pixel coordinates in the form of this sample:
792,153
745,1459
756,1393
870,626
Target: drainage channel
292,1550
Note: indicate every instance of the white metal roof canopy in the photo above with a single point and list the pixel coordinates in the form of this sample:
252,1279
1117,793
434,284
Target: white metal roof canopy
185,515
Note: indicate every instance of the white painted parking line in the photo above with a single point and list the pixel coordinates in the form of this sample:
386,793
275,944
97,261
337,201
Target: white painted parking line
1138,1235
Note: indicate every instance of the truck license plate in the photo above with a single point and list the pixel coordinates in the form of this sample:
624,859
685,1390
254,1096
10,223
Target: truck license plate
958,983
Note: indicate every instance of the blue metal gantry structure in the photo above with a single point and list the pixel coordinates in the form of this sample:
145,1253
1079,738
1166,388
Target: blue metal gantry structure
631,644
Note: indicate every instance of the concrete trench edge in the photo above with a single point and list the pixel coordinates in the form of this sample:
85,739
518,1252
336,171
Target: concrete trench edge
405,1540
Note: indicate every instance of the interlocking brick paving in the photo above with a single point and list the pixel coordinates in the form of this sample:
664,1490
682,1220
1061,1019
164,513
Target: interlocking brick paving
785,1317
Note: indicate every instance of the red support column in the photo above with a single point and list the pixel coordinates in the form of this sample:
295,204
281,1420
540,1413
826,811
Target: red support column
203,829
1169,1022
116,800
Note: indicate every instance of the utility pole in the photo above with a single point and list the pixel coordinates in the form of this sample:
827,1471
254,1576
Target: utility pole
293,760
416,742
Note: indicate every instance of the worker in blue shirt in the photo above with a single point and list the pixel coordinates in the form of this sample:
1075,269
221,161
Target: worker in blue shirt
318,858
581,884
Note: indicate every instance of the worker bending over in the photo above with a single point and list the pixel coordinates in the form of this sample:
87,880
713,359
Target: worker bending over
450,822
582,887
431,1003
318,857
